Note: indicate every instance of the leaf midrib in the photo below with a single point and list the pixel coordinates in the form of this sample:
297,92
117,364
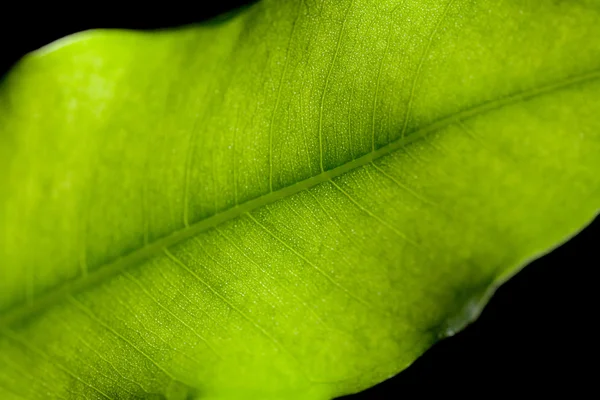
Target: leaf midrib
112,268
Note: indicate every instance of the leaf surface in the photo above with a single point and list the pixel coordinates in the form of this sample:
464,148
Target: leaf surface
294,202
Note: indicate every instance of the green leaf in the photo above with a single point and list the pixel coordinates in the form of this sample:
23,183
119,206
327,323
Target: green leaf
294,202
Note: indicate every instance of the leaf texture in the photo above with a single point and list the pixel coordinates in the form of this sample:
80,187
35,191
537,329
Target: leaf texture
294,202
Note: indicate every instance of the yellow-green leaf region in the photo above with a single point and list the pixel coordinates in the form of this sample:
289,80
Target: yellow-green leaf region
293,202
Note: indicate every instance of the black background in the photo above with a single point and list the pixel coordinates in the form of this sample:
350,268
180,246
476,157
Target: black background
536,335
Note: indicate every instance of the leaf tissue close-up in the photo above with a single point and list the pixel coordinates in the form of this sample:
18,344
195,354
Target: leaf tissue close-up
297,199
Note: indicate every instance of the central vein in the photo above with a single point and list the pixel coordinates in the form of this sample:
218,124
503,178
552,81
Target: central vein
105,271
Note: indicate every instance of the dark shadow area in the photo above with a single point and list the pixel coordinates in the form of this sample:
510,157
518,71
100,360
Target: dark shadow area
535,334
27,27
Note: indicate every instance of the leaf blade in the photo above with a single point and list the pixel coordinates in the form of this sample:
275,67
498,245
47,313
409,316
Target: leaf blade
308,238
